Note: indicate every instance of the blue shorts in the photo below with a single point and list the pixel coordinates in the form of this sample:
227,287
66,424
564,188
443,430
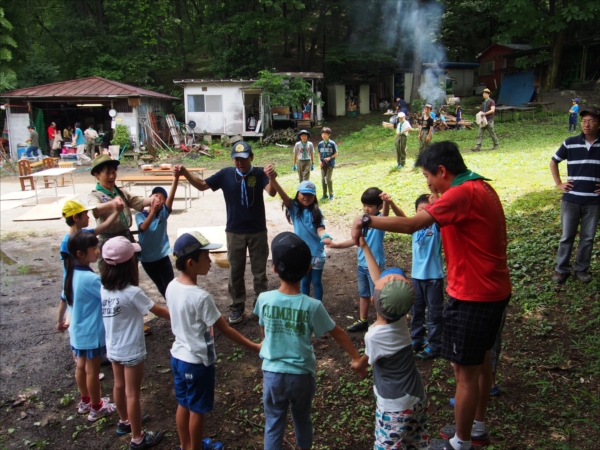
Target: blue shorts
365,284
194,385
89,354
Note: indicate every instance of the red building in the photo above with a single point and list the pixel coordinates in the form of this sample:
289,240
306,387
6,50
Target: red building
492,61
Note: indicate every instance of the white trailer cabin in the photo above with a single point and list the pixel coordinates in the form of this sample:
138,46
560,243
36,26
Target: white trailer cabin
225,107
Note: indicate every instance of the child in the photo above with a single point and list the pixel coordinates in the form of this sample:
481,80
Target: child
428,282
373,202
76,216
573,114
401,415
152,226
327,154
304,152
306,216
425,128
124,306
82,292
458,116
288,319
193,315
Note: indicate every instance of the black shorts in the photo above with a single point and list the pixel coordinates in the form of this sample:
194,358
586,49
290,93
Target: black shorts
470,329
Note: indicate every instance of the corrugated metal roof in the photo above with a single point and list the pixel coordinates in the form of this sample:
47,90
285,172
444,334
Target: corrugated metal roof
85,87
223,80
511,46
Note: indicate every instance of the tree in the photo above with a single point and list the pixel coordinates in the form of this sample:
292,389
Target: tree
546,22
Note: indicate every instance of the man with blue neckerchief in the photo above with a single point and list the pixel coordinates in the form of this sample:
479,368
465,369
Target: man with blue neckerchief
246,228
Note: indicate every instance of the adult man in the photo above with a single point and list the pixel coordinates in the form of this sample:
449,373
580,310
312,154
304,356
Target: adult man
402,130
473,228
90,139
488,108
34,143
581,199
246,227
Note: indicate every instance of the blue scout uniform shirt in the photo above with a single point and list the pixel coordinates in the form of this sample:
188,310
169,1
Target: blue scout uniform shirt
79,139
154,241
64,252
583,169
327,150
304,227
427,261
242,219
374,239
87,325
290,321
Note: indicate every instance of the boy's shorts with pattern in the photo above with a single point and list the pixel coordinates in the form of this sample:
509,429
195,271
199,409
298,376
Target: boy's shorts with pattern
89,354
131,362
470,329
406,430
194,385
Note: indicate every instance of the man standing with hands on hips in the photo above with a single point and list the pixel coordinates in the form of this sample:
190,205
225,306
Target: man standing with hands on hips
580,206
246,228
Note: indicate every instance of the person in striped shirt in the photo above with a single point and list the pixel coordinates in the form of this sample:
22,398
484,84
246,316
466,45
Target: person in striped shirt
580,207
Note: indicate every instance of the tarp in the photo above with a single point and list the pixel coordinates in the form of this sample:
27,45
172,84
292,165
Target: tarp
516,89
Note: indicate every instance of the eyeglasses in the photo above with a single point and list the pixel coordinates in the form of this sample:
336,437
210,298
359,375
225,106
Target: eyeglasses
590,122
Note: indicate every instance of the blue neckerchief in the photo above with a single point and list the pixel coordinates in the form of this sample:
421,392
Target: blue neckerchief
244,188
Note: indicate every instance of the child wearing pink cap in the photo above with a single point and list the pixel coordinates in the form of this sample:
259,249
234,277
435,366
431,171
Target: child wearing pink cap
124,306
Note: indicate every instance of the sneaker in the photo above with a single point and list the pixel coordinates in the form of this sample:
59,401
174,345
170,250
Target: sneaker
209,444
331,197
236,316
359,325
442,444
419,345
427,354
449,431
582,277
125,428
84,408
324,197
476,149
399,166
495,391
495,147
106,410
150,439
560,277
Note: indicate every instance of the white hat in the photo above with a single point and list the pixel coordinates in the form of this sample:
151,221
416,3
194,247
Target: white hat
401,114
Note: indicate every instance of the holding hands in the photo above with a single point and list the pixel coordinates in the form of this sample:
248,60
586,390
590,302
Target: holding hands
270,171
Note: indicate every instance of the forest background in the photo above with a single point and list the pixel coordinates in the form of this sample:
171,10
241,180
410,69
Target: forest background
150,42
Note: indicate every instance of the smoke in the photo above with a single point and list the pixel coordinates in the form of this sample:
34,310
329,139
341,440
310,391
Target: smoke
414,26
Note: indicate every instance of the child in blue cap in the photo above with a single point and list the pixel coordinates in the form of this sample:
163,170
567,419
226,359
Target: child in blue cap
153,237
304,213
573,115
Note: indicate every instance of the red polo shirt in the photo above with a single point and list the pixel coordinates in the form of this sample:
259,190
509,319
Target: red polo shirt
473,226
51,133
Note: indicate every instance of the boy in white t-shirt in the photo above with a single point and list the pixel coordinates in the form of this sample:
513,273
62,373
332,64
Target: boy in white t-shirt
193,315
401,415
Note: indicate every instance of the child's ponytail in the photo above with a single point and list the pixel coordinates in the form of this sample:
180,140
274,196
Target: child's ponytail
79,242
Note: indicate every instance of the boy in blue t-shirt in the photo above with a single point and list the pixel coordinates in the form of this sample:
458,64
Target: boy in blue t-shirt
328,151
153,237
288,320
573,114
373,200
76,216
428,282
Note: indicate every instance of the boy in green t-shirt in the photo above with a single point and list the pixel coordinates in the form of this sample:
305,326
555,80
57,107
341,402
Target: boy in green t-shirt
288,319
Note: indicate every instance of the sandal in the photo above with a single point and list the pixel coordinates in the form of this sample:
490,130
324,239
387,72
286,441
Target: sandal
449,431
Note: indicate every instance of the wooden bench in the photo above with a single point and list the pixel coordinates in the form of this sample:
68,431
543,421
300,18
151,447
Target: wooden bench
134,155
146,181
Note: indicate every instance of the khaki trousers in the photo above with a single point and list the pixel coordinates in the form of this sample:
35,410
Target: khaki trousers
401,149
258,249
326,174
303,168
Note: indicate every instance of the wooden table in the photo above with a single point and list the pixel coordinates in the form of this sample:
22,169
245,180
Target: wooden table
146,181
512,109
54,174
546,106
197,171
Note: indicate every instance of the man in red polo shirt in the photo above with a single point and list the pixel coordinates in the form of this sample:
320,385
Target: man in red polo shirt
473,227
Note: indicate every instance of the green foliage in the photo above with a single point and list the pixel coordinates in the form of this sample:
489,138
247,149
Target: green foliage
121,136
284,90
5,40
8,81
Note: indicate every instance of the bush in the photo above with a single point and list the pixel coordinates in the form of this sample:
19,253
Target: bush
121,136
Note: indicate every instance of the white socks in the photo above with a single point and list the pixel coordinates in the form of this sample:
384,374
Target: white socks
478,428
457,444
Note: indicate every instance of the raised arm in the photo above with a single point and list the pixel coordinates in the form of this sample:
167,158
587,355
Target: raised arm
405,225
273,184
150,217
107,223
374,269
389,203
171,198
198,183
270,188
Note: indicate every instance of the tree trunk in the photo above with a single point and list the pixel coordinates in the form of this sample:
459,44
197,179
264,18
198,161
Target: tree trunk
555,53
417,71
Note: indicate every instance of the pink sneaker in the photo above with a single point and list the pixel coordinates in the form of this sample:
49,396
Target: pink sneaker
84,408
106,410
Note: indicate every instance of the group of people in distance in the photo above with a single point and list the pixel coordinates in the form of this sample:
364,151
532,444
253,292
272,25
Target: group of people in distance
462,214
